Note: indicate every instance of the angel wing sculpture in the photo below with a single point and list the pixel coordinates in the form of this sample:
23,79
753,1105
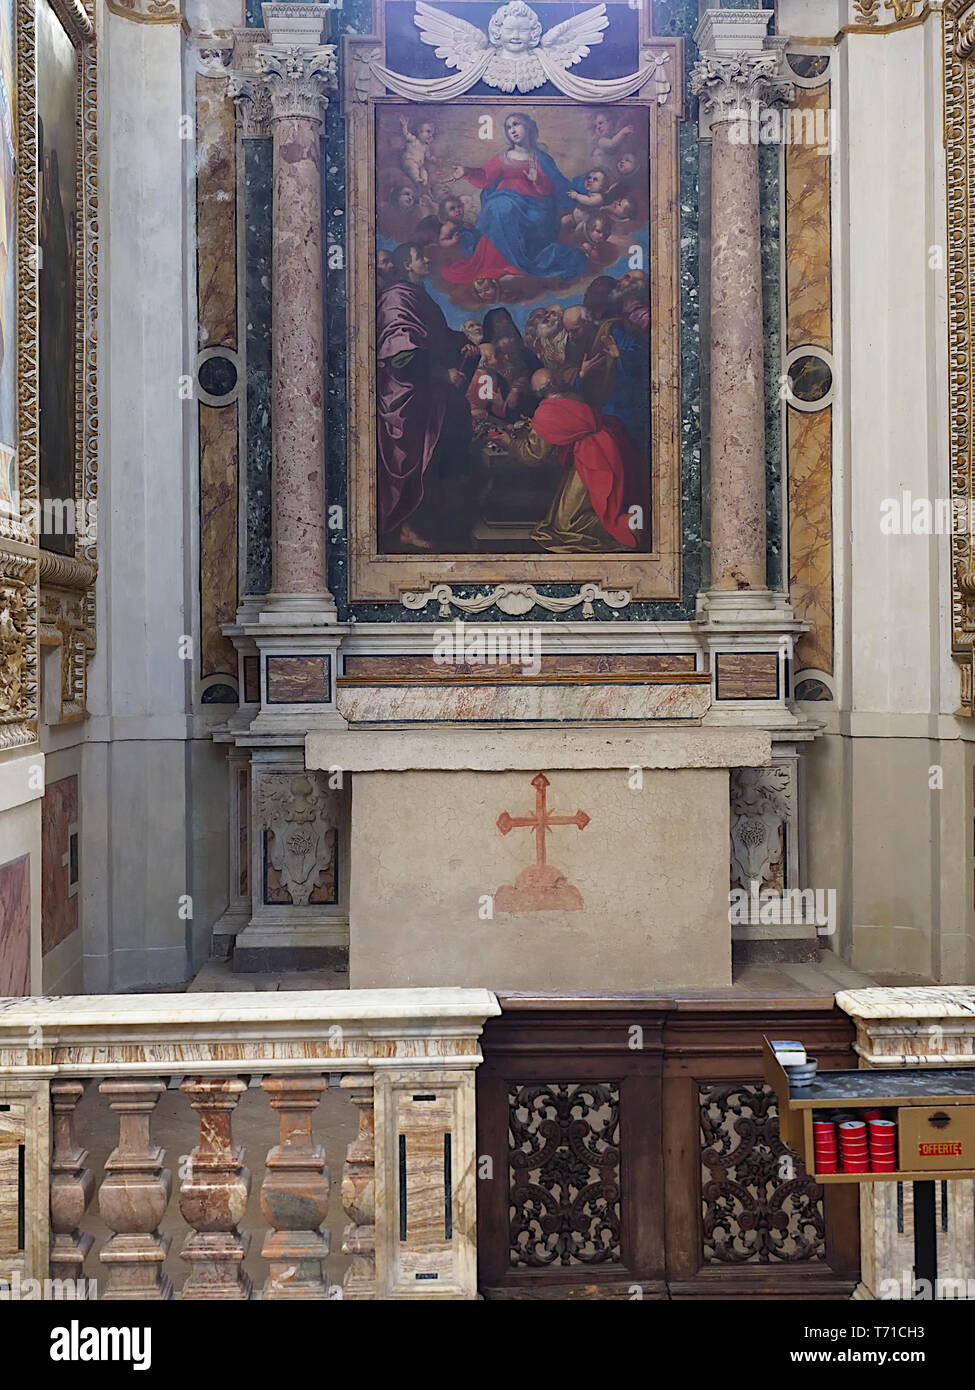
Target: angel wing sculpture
515,55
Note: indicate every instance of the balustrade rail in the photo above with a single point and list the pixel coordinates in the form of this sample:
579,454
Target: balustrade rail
406,1059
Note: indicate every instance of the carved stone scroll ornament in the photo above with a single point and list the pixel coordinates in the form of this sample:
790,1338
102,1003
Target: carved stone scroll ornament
62,624
517,600
18,655
365,65
762,802
147,11
517,55
727,85
965,36
865,12
297,811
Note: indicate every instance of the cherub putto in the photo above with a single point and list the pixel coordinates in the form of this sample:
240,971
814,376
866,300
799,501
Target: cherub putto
597,230
587,193
456,233
605,140
418,143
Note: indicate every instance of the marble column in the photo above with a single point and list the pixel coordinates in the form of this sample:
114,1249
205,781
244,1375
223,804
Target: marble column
288,639
749,629
297,80
732,87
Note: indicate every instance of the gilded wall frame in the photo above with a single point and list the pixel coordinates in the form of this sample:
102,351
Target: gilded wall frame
376,576
18,537
959,69
67,593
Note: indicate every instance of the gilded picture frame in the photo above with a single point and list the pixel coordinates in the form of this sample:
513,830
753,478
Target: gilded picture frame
18,533
653,574
67,573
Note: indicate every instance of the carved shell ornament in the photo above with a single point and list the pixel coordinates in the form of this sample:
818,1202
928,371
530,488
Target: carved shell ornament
515,55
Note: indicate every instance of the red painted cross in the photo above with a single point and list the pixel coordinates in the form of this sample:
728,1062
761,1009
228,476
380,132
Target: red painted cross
543,820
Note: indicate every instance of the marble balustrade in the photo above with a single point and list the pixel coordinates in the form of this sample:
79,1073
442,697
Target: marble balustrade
407,1060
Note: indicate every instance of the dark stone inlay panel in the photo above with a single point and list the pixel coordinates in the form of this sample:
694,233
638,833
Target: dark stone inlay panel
810,378
217,376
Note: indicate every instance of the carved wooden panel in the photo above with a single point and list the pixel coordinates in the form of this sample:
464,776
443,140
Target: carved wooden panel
759,1205
565,1173
648,1112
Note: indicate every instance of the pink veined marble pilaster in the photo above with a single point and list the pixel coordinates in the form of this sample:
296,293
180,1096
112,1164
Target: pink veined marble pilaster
731,88
737,368
298,375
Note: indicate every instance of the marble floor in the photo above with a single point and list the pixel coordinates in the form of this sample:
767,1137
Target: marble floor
828,976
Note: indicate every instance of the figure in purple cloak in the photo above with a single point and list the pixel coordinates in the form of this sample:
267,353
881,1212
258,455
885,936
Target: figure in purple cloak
424,420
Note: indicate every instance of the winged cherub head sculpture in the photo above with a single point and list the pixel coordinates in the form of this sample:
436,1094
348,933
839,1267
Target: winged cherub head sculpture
515,55
515,28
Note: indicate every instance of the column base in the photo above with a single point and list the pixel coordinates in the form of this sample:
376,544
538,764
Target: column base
738,605
313,610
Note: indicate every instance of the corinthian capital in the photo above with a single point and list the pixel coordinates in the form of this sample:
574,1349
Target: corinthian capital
728,83
280,82
252,101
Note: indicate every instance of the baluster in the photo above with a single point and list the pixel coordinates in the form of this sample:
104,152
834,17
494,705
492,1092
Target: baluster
133,1198
294,1194
72,1184
359,1193
213,1198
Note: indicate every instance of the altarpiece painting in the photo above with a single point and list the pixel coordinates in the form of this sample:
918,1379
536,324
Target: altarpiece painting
515,343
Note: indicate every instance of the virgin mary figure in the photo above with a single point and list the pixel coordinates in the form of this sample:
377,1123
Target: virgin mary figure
523,197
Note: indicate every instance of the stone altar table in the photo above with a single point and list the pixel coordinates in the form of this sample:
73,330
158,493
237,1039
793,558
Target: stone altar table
506,857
